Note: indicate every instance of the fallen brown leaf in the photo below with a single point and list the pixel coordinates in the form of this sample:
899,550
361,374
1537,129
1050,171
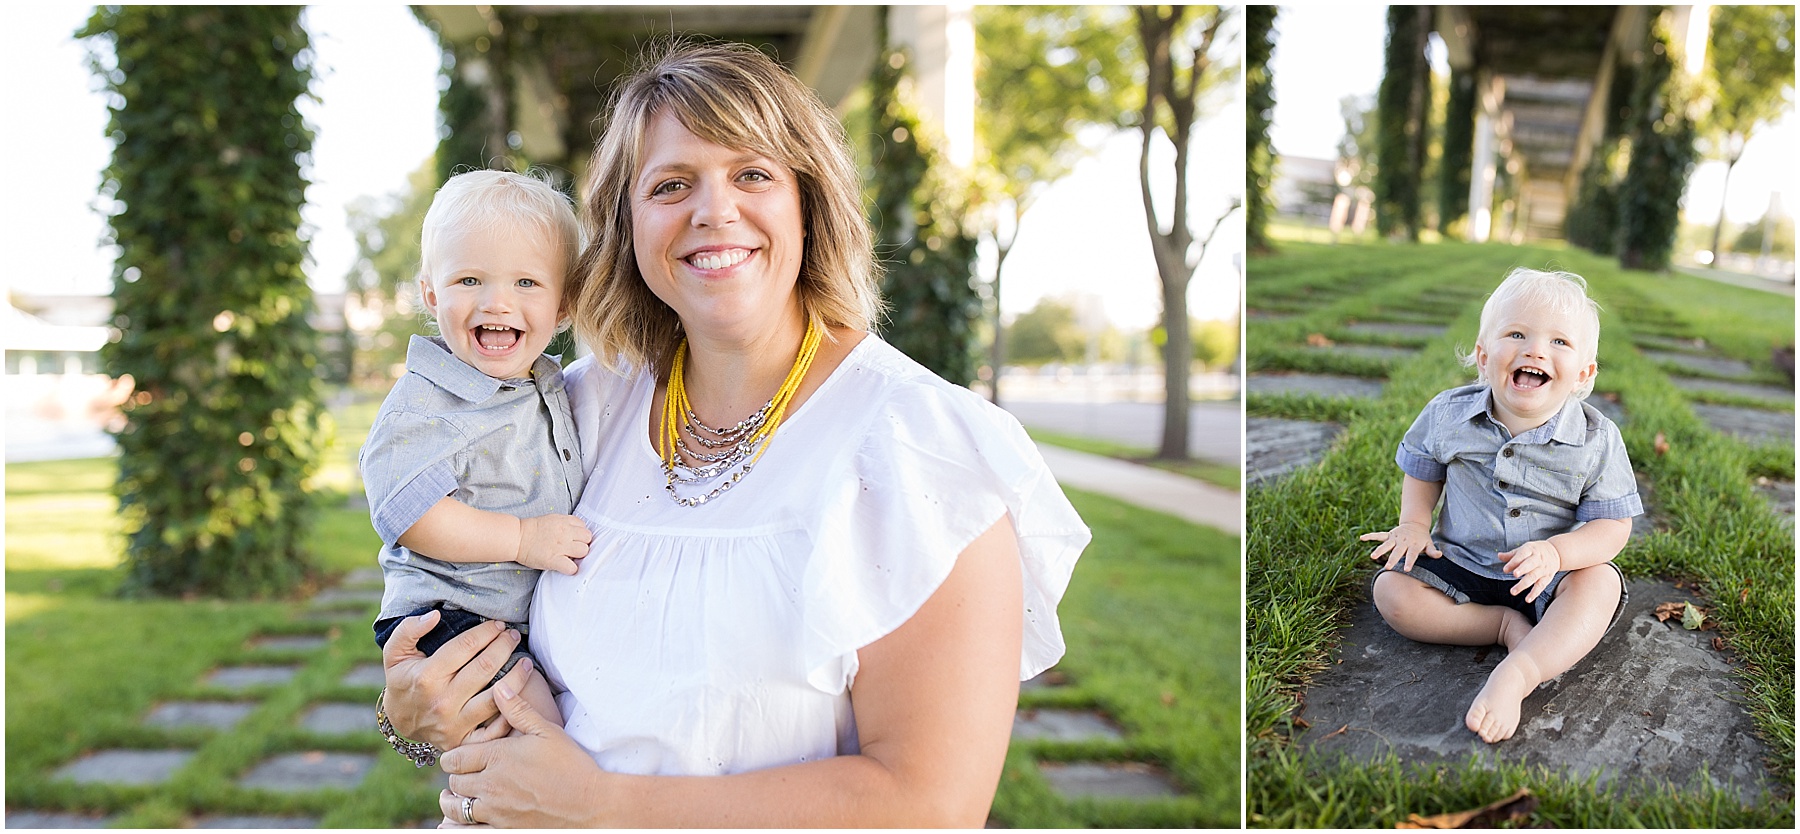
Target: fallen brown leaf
1718,644
1168,699
1668,609
1337,732
1744,593
1302,723
1318,340
1661,444
1514,809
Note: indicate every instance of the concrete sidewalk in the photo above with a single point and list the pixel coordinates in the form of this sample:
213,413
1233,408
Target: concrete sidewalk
1166,492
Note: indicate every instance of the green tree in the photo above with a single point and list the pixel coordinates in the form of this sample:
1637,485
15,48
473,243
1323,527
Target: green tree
1750,64
224,426
1662,155
1180,64
1046,333
1259,92
386,270
1216,343
1043,74
1454,167
1401,107
1773,234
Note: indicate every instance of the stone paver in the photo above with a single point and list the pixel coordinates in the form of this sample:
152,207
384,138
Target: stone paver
333,615
1047,679
339,719
1186,498
1609,406
1654,703
1651,341
1276,446
311,771
1108,780
346,597
248,677
257,822
1751,425
217,715
1370,351
1396,328
1742,389
363,578
291,643
1719,365
125,767
55,819
1324,385
366,675
1064,725
1780,494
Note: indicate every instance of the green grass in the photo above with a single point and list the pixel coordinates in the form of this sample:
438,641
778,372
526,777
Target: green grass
1229,476
1305,567
1151,620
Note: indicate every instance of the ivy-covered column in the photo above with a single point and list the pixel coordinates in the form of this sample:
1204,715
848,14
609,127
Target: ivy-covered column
920,235
1459,150
1662,156
1401,104
224,425
1259,88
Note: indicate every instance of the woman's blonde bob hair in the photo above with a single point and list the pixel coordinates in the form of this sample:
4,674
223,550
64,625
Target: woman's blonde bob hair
734,96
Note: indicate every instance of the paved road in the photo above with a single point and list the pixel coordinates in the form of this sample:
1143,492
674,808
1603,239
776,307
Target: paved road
1148,487
1214,429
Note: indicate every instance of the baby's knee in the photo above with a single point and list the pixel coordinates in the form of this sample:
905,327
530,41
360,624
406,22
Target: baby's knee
1391,592
1599,579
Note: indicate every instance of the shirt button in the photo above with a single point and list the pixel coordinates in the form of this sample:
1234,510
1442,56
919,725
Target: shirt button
1503,485
1513,513
565,454
1506,452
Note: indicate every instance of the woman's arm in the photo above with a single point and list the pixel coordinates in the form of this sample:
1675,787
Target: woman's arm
934,702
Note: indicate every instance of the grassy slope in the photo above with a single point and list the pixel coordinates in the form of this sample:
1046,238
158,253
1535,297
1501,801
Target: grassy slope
1300,581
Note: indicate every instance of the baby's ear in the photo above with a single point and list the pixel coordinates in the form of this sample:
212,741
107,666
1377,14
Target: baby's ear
428,294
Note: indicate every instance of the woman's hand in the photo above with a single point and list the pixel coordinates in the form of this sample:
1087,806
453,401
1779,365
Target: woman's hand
439,699
541,779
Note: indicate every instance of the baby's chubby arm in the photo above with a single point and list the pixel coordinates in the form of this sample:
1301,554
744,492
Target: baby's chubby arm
456,532
1412,536
1536,563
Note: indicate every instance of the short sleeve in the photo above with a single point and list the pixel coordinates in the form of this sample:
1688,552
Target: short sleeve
936,470
1611,491
407,467
1417,454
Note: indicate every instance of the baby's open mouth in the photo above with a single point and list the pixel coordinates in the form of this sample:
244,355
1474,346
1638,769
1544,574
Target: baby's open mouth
1529,378
496,337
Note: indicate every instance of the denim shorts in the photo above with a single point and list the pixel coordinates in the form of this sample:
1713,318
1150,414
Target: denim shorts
451,622
1463,585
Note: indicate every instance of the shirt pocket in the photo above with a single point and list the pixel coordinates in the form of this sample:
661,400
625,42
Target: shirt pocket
1559,488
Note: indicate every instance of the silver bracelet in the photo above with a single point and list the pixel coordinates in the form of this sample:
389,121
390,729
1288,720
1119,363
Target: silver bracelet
418,752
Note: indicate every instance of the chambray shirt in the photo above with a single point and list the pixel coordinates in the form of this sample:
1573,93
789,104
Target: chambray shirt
447,429
1502,491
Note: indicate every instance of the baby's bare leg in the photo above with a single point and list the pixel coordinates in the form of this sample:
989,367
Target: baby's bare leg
1423,613
537,693
1572,626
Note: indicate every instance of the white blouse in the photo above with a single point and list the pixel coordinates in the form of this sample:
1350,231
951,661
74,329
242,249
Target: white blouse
722,638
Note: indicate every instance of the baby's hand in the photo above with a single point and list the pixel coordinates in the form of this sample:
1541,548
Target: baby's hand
1403,544
1535,563
553,542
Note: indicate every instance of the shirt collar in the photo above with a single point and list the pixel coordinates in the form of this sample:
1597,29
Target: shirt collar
1567,425
430,357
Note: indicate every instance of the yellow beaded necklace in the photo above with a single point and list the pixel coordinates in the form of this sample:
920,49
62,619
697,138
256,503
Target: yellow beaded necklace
742,444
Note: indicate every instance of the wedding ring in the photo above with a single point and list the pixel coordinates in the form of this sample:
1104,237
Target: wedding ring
468,810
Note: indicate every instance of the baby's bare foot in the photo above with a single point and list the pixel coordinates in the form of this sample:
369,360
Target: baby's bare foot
1495,713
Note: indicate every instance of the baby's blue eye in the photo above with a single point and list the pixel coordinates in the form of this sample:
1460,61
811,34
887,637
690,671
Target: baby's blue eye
1515,335
1564,342
468,281
527,282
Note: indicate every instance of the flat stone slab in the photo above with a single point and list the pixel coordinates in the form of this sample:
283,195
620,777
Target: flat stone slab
291,643
368,675
1064,725
363,578
1752,425
1608,406
1108,780
1718,365
1397,328
1274,446
248,677
257,822
1047,679
333,615
346,597
1653,703
1324,385
1370,351
311,771
1664,343
1742,389
1780,494
54,819
339,719
125,767
215,715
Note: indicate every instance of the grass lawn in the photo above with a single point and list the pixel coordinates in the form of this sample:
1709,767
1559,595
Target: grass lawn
1218,474
1305,567
1151,621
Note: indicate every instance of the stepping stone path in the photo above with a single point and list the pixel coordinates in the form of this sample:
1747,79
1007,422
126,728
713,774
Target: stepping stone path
339,719
52,819
1710,364
217,715
1370,351
257,822
1275,446
1664,343
1742,389
1397,328
249,677
367,675
346,597
1654,703
1751,425
1109,780
300,772
1780,495
291,643
125,767
1324,385
1609,406
1064,725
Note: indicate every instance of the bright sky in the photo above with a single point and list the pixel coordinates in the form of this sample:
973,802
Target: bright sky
1325,52
376,122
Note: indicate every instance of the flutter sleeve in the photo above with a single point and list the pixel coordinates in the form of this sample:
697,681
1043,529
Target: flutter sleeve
938,466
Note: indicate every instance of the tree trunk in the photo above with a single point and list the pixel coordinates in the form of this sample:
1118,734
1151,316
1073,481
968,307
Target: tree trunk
1178,351
1724,192
997,351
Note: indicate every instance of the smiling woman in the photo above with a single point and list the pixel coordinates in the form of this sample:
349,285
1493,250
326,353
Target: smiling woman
818,573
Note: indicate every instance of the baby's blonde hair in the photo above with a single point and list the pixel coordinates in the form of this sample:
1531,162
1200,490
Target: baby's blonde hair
1563,292
489,199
